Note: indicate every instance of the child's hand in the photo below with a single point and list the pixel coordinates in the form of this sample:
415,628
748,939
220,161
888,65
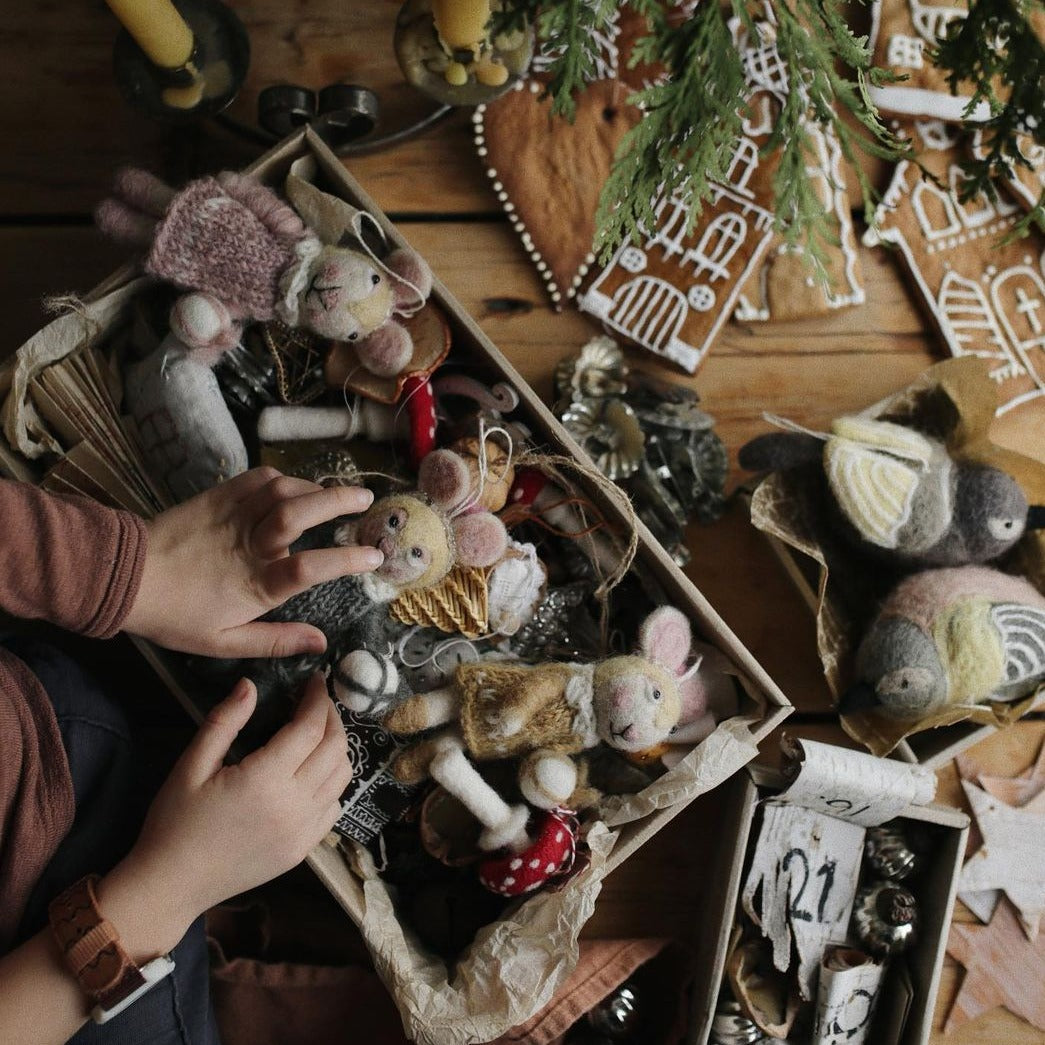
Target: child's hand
214,831
217,562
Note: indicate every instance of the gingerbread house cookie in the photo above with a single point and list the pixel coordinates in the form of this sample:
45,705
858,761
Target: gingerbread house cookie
786,286
673,291
1027,183
902,34
986,296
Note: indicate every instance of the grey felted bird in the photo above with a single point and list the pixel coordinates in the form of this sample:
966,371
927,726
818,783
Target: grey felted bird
901,492
959,636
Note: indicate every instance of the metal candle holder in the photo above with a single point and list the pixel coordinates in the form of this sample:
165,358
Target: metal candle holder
221,56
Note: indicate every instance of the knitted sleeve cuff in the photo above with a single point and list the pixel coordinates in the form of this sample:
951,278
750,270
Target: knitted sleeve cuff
129,544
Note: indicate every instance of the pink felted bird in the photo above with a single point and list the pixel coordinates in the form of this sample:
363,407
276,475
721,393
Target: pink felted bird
959,636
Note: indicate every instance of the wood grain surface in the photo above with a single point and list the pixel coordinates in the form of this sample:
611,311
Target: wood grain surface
65,130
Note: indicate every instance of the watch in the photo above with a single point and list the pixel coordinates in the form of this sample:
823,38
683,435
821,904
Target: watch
90,948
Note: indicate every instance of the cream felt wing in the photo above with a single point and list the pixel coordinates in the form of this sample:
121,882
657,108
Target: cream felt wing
873,469
1022,630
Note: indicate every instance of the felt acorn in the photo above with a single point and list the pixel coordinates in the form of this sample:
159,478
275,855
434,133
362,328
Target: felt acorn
950,637
903,493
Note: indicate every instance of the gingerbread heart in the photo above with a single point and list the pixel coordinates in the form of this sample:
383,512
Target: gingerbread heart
548,172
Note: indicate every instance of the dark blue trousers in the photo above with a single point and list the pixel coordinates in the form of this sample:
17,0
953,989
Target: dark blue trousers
110,805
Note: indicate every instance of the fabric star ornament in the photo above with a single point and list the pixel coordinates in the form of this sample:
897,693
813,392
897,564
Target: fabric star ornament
1012,857
1002,968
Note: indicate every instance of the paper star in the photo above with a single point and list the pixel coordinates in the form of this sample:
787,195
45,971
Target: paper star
1012,857
1015,791
1002,968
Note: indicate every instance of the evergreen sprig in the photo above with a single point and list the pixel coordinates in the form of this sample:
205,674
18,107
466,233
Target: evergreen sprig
691,124
693,116
996,49
568,31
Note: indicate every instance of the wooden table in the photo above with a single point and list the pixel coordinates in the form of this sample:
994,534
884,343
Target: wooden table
65,130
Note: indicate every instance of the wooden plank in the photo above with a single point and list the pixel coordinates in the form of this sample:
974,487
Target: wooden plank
39,262
60,90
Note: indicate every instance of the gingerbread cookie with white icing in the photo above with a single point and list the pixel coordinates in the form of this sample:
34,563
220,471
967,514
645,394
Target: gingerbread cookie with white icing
985,294
903,34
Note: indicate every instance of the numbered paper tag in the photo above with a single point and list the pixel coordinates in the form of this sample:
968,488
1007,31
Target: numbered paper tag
846,997
807,865
852,785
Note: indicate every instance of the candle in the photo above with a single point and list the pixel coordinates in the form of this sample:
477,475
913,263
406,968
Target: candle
158,30
461,23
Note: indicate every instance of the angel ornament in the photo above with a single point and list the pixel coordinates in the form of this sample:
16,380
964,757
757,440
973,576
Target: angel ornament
542,714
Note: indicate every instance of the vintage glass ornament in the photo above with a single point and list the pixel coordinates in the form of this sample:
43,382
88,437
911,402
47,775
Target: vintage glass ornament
885,917
597,370
888,852
247,381
730,1026
609,432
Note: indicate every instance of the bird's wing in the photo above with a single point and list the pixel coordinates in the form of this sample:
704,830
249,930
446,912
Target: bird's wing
873,469
1022,630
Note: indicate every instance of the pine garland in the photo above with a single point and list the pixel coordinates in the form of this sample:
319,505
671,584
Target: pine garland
1017,62
693,117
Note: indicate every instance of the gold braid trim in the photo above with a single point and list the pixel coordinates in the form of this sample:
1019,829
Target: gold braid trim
459,604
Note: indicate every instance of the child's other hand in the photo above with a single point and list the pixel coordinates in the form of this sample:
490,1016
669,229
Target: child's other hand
214,831
217,562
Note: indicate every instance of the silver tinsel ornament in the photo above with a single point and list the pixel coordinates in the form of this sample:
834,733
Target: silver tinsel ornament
885,917
247,381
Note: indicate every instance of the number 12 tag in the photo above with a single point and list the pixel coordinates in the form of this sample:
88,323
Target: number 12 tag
807,865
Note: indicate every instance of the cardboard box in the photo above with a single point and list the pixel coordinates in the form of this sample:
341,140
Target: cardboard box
735,807
763,706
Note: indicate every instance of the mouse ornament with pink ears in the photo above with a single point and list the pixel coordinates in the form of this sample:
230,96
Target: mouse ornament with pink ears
542,714
244,255
423,534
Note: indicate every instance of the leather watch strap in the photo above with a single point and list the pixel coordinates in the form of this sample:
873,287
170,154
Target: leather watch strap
90,946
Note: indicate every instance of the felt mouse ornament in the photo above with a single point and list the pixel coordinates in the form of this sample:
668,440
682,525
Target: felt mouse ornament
950,637
244,255
541,714
901,493
422,533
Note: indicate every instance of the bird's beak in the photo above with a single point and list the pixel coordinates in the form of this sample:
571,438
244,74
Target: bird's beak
1036,517
860,697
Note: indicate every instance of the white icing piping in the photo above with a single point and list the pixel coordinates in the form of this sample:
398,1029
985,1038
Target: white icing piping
543,270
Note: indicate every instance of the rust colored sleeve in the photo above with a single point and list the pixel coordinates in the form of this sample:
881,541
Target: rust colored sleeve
68,560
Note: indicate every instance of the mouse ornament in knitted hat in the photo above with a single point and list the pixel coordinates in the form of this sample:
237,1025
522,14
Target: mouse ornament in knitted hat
244,255
541,714
950,638
901,493
422,535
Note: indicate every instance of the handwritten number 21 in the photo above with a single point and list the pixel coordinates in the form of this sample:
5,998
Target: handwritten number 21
825,871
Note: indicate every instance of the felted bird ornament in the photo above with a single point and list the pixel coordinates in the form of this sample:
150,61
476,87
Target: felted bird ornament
902,494
422,534
541,714
245,255
950,637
